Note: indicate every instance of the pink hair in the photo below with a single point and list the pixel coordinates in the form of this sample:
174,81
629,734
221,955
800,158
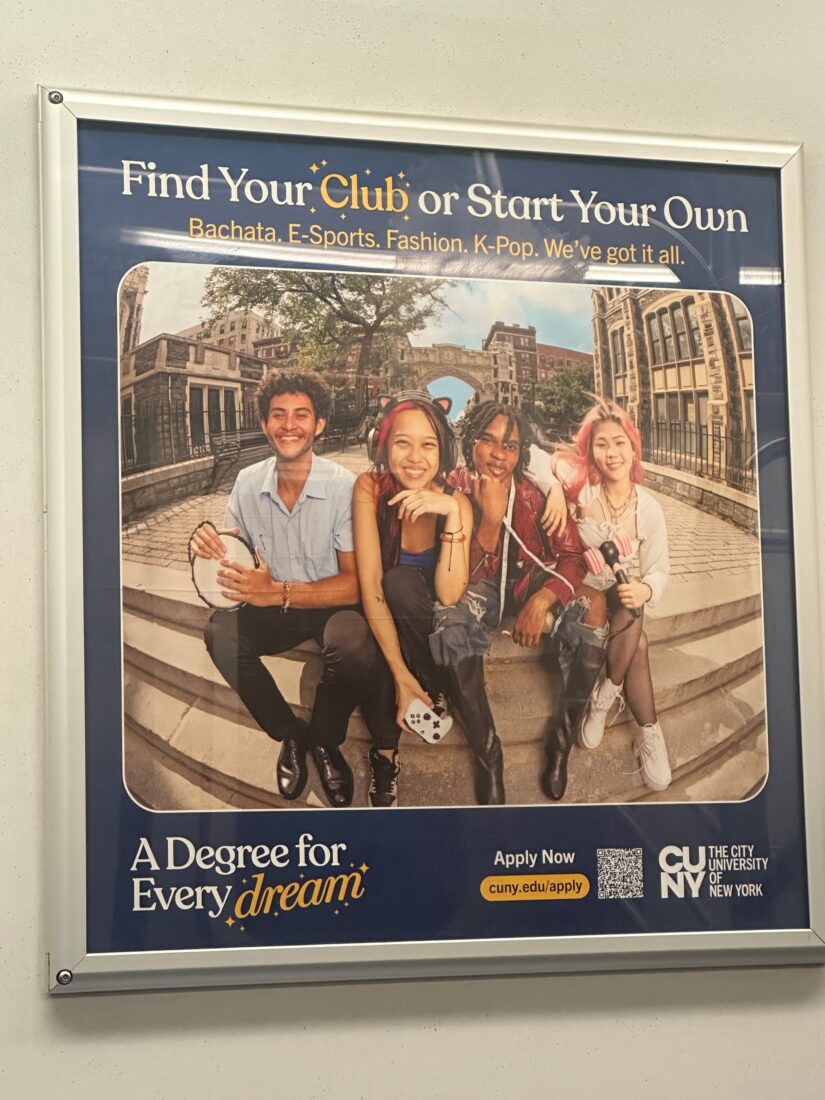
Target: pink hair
580,453
386,427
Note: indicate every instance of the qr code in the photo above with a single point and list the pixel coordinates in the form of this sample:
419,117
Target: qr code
620,872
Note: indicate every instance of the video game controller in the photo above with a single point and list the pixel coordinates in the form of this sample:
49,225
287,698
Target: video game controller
430,723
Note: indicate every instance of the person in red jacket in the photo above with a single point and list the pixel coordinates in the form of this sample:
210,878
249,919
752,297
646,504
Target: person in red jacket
514,566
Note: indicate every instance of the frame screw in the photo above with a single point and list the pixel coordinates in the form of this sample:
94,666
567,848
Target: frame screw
57,97
64,977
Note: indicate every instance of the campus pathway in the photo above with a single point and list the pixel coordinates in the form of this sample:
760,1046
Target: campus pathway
703,548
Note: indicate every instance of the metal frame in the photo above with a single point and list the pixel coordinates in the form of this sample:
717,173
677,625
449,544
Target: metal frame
70,968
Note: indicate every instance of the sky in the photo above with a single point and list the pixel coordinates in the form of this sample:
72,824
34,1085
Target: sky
561,313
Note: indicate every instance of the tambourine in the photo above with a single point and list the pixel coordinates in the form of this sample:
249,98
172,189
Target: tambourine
205,570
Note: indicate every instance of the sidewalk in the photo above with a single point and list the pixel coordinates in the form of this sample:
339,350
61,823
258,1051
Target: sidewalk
705,551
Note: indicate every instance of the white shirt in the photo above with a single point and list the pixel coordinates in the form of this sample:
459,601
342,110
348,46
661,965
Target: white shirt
651,545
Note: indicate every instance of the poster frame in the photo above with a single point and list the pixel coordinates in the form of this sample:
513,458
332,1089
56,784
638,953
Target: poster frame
70,967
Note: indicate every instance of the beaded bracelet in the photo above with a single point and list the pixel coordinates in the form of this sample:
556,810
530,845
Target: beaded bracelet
285,596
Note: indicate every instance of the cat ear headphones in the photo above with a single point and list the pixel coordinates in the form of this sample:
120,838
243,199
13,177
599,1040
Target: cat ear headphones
439,405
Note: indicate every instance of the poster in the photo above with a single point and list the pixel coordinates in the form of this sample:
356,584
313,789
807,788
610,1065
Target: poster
523,285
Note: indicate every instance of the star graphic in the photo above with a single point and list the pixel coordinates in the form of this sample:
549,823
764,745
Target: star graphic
323,163
406,217
363,868
312,210
400,175
243,881
352,865
346,905
406,185
242,928
343,217
301,875
230,921
336,912
368,171
313,167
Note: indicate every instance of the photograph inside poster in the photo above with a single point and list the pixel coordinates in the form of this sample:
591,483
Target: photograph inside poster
409,541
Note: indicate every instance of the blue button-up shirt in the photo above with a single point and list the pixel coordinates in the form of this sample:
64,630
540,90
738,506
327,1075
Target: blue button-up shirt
300,545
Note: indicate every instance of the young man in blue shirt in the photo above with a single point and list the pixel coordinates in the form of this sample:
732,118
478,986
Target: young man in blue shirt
295,508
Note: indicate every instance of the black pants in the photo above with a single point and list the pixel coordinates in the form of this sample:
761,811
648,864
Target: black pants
354,670
410,599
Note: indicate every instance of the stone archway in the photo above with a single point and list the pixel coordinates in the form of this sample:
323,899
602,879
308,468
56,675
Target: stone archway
489,373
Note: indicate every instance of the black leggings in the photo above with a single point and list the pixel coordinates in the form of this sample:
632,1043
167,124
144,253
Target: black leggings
628,662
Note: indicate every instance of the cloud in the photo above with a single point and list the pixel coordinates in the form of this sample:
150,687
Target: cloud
173,298
561,312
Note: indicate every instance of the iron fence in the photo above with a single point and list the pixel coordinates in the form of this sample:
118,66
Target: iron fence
701,450
160,434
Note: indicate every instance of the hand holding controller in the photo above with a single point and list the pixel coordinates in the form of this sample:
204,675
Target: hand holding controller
425,720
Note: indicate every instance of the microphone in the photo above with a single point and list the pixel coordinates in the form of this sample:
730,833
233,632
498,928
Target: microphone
609,554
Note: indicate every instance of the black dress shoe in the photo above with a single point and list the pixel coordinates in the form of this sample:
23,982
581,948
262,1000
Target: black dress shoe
335,773
557,749
292,768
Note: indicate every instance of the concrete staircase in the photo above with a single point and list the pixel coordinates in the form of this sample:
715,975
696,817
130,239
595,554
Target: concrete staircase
190,744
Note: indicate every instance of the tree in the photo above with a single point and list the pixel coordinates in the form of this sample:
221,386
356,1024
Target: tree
330,312
565,397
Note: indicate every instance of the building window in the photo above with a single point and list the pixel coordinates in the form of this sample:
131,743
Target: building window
667,335
214,411
229,410
127,431
654,340
618,353
196,432
679,329
222,329
743,325
231,326
693,326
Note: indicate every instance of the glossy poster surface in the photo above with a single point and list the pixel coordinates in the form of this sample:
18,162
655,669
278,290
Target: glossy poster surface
523,290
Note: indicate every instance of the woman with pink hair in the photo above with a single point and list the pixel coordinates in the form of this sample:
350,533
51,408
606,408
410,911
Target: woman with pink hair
598,481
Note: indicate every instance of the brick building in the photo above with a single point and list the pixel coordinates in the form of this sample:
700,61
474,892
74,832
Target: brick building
682,365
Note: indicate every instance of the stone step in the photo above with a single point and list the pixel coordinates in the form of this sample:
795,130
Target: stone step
519,686
178,745
698,732
737,771
182,753
690,607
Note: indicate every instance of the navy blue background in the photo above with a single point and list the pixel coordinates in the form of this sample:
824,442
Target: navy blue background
425,865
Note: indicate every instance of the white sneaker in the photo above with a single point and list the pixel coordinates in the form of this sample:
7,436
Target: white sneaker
651,753
591,730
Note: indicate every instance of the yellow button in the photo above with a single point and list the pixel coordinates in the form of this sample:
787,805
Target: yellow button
535,887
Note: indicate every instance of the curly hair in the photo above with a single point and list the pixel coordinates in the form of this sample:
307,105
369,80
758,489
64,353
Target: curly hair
479,419
294,381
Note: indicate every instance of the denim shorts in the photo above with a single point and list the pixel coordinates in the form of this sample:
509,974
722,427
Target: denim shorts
572,632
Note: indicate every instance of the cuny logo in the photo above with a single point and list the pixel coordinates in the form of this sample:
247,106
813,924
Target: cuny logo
679,870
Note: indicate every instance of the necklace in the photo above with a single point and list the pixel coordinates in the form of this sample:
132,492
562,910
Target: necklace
616,512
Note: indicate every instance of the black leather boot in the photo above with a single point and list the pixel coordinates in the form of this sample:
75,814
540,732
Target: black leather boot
557,745
466,692
560,733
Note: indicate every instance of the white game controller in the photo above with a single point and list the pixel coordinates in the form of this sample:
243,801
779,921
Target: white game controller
428,722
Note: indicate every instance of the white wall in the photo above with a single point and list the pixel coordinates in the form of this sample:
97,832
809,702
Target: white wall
711,67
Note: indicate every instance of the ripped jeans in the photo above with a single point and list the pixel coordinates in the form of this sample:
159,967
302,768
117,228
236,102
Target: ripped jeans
573,631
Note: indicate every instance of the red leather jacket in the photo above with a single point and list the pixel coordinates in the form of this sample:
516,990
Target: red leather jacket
562,552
